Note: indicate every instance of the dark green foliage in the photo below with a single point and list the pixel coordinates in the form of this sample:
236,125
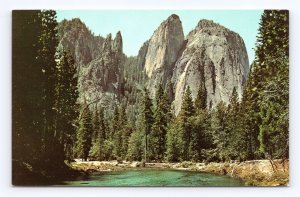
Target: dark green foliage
173,142
126,133
146,119
162,116
134,79
272,62
136,143
108,150
84,133
250,119
34,81
185,123
122,134
99,135
116,133
263,123
26,87
234,128
96,125
65,104
115,127
136,146
201,99
126,130
51,149
220,133
43,128
201,138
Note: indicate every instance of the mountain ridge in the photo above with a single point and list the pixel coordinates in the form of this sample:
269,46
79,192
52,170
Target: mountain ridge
210,54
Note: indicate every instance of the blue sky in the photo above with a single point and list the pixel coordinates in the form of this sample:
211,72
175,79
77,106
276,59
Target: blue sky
137,26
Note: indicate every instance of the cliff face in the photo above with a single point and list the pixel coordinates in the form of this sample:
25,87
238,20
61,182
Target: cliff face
100,61
210,54
103,75
141,58
76,37
215,56
162,52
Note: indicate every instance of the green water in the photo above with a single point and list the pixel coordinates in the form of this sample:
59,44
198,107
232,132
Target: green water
154,177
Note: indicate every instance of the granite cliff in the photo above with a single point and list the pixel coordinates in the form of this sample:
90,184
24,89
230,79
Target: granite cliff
215,56
163,50
210,54
99,61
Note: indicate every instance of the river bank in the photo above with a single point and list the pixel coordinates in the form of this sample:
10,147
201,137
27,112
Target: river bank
26,174
254,172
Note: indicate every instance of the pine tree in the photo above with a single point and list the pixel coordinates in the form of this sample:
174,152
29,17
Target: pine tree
272,59
66,94
126,131
27,75
173,142
115,123
136,143
250,118
135,146
158,133
96,125
116,133
201,139
220,134
201,99
51,150
102,134
35,76
34,80
95,149
147,119
184,120
84,133
234,127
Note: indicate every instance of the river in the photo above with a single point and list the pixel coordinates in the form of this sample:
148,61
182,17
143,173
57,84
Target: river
153,177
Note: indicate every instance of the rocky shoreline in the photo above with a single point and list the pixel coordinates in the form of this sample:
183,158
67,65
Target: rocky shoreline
254,172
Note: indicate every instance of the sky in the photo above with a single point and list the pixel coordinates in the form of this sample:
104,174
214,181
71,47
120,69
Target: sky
137,26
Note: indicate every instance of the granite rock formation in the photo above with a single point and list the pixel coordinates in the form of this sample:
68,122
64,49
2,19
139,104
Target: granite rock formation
215,56
99,61
210,54
162,52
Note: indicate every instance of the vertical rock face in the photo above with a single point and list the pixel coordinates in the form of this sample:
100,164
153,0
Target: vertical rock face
162,51
213,55
141,58
118,44
77,38
210,54
100,61
104,75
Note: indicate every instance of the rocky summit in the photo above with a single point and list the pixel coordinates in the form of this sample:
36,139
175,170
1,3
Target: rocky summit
162,52
99,61
210,54
215,56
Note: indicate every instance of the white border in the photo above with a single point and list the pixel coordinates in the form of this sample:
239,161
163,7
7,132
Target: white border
5,99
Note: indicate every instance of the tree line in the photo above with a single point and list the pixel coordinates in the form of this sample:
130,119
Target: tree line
255,127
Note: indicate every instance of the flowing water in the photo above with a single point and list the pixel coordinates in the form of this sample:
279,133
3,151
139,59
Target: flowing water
154,177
